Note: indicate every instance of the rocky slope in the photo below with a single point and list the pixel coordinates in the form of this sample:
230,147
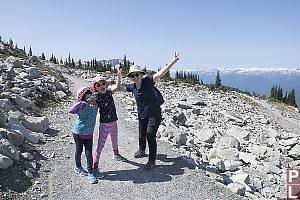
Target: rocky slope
27,85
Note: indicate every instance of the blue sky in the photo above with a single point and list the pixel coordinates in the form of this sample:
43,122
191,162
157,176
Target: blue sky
207,34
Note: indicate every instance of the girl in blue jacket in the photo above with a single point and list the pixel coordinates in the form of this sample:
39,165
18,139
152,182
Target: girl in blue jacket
86,109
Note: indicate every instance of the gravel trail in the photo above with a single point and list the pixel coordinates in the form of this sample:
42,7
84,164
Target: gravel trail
173,178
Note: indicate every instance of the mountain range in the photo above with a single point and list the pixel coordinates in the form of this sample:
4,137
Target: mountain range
259,80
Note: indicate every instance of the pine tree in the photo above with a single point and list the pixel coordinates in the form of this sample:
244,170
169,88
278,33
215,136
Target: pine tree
69,59
61,61
11,43
73,63
30,51
43,56
272,94
218,80
16,47
24,49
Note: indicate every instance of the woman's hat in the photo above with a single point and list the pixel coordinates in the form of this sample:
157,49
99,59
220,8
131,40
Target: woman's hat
135,68
96,80
81,92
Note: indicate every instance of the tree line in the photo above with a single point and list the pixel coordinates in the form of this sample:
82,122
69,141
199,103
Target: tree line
277,95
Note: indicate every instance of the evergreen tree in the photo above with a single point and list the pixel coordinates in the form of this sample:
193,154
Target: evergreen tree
11,43
79,63
69,59
30,51
61,61
272,94
43,56
24,49
73,63
218,80
16,47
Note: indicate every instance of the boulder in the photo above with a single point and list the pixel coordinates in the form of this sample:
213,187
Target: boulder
271,168
36,124
240,134
241,178
179,138
228,154
5,105
237,188
5,162
218,163
23,75
27,156
61,95
15,137
248,158
288,142
3,118
179,118
295,152
232,165
21,101
7,149
17,126
33,73
226,142
14,61
205,135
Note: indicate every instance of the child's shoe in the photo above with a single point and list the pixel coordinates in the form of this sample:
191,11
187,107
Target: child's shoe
119,157
97,173
80,171
92,178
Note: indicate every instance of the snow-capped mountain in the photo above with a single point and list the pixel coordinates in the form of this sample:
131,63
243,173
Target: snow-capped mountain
259,80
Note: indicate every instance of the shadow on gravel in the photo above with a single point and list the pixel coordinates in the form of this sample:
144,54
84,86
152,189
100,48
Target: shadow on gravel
161,173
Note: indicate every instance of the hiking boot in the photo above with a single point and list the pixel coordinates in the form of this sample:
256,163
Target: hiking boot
140,153
80,171
92,178
97,173
149,165
119,157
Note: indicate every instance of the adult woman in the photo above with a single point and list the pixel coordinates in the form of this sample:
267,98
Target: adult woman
148,100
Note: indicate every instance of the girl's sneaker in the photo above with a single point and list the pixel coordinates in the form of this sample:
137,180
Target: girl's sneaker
119,157
80,171
92,178
97,173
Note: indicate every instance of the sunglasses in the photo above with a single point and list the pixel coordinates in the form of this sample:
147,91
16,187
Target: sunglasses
99,84
134,75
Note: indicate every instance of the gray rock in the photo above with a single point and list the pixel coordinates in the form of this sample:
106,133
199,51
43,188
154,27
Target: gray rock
29,174
205,135
271,168
36,124
61,94
184,105
15,137
24,75
21,101
34,59
3,118
33,73
179,118
295,152
248,158
241,178
238,133
232,165
289,142
14,61
218,163
227,142
5,162
7,149
17,126
5,105
179,138
196,111
237,188
228,154
27,156
26,92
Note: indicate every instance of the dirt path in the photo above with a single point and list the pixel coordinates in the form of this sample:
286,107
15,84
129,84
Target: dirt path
173,178
283,120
